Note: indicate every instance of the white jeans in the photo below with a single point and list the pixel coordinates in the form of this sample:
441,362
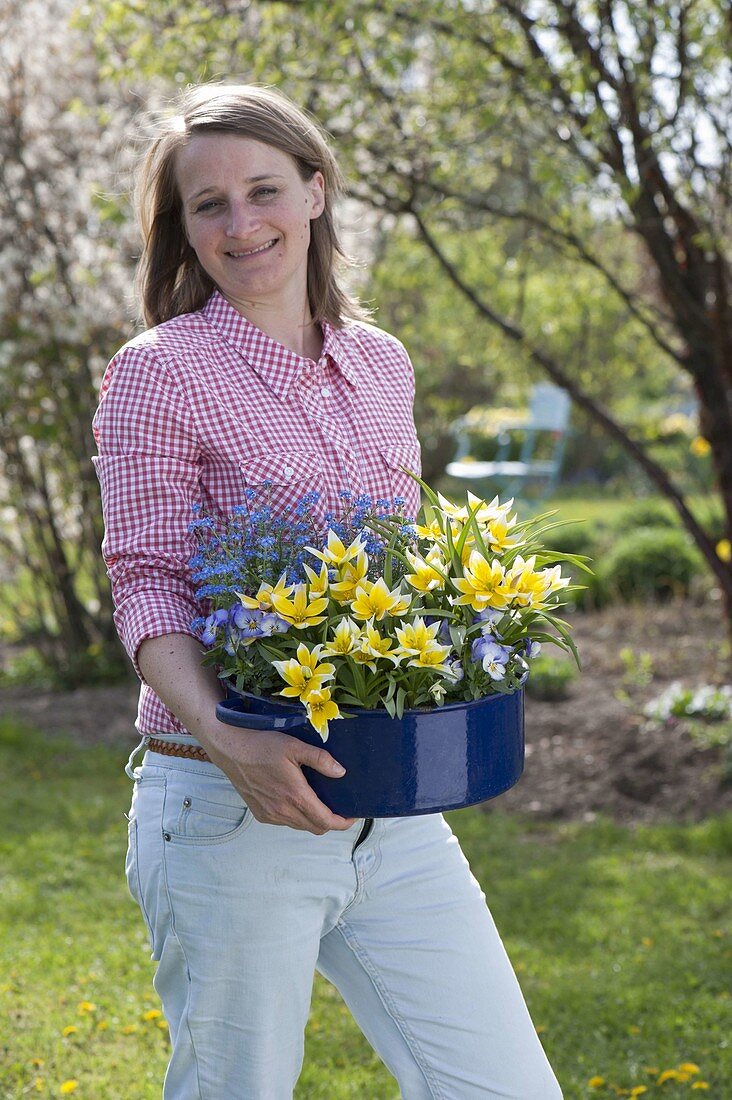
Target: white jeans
241,914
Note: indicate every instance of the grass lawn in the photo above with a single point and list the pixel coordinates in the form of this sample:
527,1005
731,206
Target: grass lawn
620,939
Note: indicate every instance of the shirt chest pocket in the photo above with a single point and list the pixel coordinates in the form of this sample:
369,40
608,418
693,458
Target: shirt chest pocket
397,458
281,478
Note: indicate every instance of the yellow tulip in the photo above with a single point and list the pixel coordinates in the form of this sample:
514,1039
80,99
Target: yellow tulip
335,553
427,574
485,512
299,611
344,639
417,643
321,709
373,644
484,585
373,599
350,574
432,531
319,581
302,673
263,599
497,535
530,587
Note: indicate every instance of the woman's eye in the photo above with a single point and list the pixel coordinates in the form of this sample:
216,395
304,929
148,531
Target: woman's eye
265,192
209,205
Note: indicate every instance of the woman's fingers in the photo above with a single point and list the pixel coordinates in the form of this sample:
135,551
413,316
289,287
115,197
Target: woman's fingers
318,759
266,769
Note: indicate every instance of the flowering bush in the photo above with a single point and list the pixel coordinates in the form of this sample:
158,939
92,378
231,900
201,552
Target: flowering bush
377,610
706,701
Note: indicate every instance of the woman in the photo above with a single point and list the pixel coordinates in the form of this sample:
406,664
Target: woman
257,366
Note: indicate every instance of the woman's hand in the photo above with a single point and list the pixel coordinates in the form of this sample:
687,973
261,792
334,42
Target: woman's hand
264,766
266,769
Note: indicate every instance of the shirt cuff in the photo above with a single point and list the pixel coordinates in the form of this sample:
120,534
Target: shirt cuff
151,615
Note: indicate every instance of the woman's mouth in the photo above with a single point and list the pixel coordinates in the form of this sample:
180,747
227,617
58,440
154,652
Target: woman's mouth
240,255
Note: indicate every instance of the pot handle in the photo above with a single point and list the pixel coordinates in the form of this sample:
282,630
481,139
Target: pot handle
233,712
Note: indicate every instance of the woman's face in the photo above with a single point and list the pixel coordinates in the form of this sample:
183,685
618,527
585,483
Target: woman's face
247,215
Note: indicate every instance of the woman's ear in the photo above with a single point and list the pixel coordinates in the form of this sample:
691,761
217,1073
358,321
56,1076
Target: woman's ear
316,187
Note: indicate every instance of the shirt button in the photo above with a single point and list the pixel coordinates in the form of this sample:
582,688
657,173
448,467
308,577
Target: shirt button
288,471
325,391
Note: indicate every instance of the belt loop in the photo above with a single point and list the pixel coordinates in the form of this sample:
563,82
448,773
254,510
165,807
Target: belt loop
133,754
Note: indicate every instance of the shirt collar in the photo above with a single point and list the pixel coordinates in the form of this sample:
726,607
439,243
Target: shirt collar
275,364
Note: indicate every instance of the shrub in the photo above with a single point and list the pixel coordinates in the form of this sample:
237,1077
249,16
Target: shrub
584,538
645,513
651,563
550,678
576,538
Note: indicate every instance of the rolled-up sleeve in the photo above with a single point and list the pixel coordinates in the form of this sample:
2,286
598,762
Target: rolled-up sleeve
148,465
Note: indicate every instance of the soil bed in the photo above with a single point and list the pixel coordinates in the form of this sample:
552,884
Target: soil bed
591,753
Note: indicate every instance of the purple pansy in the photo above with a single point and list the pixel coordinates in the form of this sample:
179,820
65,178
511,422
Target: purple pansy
491,655
211,626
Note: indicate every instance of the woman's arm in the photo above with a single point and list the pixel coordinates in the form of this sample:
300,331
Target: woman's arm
263,765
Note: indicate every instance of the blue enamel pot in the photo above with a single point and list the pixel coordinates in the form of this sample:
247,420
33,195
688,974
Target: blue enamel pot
424,762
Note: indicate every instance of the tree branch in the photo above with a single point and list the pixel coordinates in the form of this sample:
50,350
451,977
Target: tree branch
600,415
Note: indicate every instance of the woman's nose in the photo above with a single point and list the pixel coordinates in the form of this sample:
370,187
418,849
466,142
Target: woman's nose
242,220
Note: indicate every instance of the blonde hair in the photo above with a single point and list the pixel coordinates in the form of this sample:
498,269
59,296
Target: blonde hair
170,280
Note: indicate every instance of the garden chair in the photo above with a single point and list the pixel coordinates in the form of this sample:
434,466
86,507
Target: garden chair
547,424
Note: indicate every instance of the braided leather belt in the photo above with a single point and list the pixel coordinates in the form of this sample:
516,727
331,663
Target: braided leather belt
169,748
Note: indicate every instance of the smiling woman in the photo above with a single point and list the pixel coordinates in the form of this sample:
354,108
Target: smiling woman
259,369
251,232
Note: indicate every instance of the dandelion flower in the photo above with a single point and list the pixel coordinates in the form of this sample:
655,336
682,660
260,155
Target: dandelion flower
86,1007
668,1075
152,1014
69,1086
596,1082
69,1030
724,550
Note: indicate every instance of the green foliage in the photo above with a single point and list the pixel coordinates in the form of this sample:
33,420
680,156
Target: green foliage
97,664
651,563
551,678
577,538
637,667
461,361
651,512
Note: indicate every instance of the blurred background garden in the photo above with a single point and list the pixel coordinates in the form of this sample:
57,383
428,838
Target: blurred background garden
539,204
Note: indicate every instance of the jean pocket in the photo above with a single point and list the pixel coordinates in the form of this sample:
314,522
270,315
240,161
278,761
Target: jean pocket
212,820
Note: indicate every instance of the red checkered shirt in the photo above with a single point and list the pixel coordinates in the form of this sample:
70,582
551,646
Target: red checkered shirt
198,409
